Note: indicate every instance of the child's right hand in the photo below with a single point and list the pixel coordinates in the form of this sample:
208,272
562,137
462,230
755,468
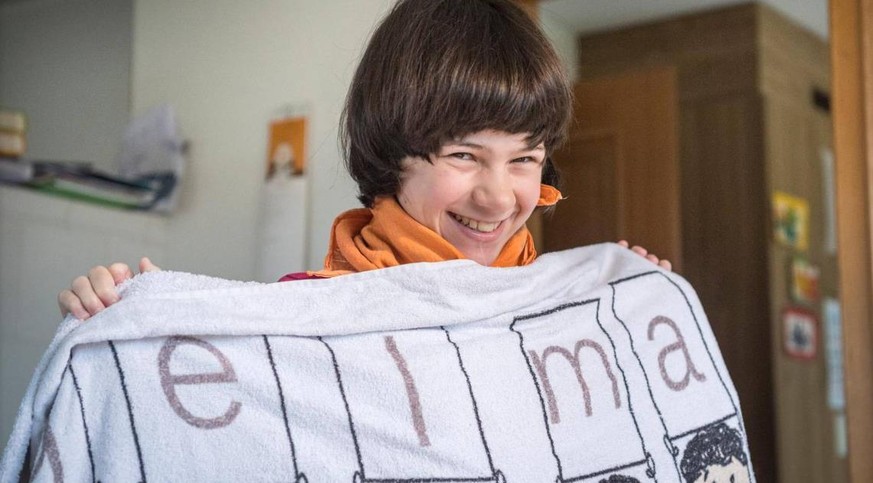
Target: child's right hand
90,294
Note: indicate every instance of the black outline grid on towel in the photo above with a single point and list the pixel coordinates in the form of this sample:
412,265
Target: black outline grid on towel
298,476
647,461
129,412
360,475
82,411
668,439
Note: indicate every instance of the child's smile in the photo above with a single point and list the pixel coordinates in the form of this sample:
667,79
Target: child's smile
480,226
478,191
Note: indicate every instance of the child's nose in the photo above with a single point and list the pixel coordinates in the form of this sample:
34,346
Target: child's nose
494,192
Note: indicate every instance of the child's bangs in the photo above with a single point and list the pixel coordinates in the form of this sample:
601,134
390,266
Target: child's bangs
510,103
500,75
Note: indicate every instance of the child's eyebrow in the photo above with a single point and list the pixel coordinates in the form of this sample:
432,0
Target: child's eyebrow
469,144
466,144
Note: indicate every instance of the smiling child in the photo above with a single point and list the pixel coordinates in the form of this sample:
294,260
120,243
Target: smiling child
450,123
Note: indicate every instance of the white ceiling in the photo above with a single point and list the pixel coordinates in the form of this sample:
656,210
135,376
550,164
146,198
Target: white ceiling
593,15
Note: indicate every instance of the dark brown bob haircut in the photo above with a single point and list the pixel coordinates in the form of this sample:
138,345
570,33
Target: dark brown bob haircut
437,70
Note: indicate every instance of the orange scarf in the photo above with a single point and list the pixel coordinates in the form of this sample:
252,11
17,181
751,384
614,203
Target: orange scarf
386,236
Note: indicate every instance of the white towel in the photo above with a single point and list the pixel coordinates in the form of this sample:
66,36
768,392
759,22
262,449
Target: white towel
590,365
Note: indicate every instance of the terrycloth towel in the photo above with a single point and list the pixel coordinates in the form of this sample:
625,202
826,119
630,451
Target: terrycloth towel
589,365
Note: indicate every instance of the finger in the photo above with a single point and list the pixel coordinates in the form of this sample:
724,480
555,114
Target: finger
83,290
146,265
120,272
652,259
640,251
666,265
623,243
103,284
70,304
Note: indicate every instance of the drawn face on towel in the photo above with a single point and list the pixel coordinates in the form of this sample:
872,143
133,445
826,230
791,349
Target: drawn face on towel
715,455
733,472
477,191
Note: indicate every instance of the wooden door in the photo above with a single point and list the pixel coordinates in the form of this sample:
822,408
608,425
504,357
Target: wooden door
852,63
620,166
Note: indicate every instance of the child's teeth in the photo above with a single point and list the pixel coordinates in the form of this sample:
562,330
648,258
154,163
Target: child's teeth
482,226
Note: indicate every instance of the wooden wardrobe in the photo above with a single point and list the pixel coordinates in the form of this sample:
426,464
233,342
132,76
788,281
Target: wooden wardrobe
684,128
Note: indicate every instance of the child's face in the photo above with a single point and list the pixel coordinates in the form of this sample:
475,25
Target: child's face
478,192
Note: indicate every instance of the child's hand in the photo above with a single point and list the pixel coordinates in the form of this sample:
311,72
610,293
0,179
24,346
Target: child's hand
665,264
90,294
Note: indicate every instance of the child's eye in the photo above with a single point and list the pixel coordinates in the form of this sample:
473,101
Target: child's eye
461,155
525,159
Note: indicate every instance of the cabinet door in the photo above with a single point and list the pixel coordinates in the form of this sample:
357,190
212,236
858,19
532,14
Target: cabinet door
620,165
810,435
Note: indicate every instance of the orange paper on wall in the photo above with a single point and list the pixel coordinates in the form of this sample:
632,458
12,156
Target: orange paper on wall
287,149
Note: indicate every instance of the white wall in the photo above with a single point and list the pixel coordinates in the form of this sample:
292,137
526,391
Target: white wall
563,38
226,66
66,63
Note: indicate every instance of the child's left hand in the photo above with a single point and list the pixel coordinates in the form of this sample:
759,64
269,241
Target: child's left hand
665,264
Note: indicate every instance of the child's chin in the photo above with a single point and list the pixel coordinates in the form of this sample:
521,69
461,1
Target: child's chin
484,259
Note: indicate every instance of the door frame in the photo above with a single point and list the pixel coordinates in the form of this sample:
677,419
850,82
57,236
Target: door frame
851,26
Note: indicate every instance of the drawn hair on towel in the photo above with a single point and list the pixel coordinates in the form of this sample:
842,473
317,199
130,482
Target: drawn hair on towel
619,479
713,446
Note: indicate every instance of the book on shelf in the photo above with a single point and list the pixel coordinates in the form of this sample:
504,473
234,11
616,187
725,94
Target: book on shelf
87,190
150,165
22,170
78,180
12,121
13,129
12,144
